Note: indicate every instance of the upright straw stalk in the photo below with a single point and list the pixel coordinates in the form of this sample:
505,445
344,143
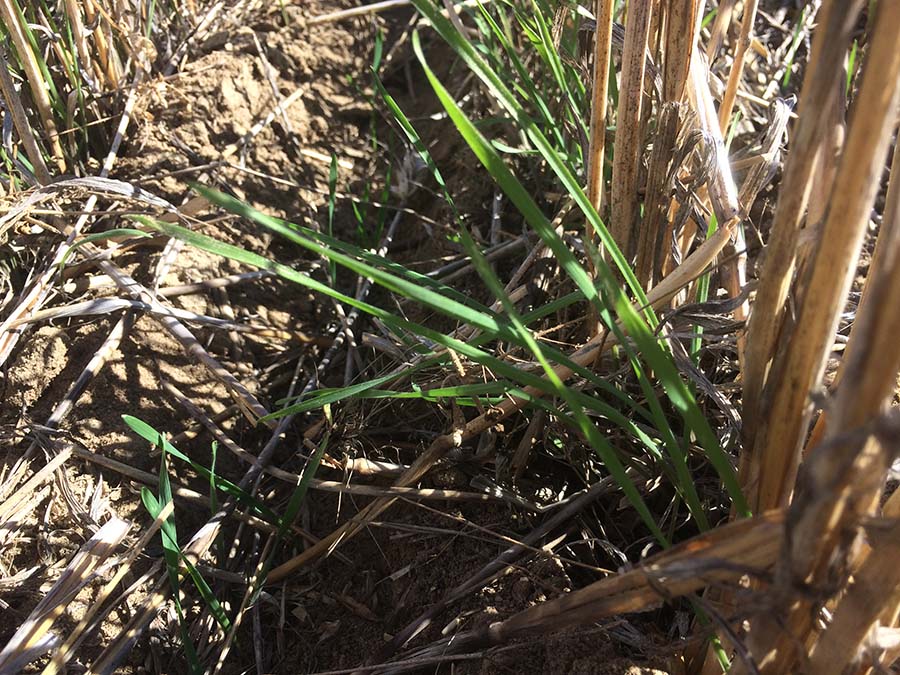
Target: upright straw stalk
10,16
111,68
799,368
842,479
837,20
737,68
629,126
603,10
20,120
67,61
867,376
734,272
679,39
682,26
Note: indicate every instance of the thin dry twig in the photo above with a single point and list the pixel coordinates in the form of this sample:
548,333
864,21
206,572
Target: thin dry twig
722,555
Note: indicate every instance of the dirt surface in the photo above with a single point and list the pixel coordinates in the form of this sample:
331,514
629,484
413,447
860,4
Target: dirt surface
203,124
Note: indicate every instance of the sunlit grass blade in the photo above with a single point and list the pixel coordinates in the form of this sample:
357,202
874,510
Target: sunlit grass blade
524,83
153,437
327,396
520,197
300,235
650,348
582,422
549,52
299,494
171,554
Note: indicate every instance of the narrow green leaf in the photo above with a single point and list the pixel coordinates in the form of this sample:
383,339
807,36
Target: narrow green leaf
600,444
151,435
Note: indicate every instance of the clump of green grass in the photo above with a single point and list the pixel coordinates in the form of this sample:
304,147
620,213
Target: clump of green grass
179,565
548,114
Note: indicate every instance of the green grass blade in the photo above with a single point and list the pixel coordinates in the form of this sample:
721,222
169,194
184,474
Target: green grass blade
296,501
683,401
415,139
298,234
525,80
329,396
152,436
523,199
600,445
657,357
171,553
551,56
